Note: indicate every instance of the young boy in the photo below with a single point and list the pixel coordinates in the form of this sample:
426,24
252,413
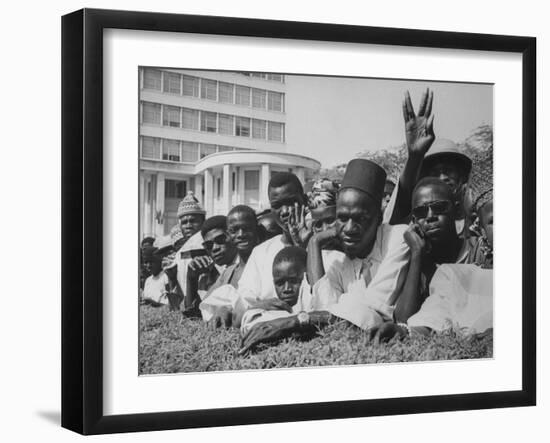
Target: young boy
154,290
480,197
292,289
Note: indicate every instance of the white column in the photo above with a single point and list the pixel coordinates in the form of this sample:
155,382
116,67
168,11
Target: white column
226,183
147,206
240,186
208,194
159,206
141,205
198,190
301,174
265,176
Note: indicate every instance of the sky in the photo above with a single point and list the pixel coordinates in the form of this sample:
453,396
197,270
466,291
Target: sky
331,119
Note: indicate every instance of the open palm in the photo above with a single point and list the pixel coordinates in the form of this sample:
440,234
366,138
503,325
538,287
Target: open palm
419,131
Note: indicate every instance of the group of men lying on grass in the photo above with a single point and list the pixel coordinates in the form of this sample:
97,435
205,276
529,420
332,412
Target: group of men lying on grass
422,264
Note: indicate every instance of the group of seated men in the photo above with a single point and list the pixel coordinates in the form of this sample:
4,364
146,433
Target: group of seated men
409,260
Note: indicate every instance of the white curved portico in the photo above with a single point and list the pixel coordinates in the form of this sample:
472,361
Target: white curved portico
242,177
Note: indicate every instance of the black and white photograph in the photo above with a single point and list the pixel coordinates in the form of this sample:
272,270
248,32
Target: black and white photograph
291,221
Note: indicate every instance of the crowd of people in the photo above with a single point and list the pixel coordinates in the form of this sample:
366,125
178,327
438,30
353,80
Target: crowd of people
413,257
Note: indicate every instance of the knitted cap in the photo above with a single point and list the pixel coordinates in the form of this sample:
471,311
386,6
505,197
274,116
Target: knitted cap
190,205
366,176
481,179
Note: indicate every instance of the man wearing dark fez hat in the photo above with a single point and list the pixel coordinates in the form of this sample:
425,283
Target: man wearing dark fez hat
363,284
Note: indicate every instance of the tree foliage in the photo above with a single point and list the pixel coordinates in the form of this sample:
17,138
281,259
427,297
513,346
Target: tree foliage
393,159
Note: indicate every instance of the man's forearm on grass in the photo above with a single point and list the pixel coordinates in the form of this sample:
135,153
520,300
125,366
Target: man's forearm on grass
409,302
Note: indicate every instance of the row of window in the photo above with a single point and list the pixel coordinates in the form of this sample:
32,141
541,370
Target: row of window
222,92
156,148
274,77
224,124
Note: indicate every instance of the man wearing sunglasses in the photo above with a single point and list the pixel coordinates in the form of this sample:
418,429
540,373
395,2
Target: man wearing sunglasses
427,157
433,240
203,271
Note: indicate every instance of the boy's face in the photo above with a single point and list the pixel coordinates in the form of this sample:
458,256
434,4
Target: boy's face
323,218
156,265
486,221
287,278
433,210
190,224
282,199
243,231
217,244
357,220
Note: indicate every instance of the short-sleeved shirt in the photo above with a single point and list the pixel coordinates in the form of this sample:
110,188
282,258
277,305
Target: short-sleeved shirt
155,288
254,316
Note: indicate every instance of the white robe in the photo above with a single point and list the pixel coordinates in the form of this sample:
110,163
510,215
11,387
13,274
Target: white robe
256,282
461,298
254,316
155,288
194,242
361,290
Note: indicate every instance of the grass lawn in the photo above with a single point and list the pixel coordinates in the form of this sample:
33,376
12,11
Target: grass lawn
170,343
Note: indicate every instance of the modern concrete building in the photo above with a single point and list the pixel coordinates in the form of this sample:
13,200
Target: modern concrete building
218,134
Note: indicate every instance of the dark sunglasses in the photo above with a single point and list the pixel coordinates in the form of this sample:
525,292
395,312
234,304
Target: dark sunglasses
438,207
219,240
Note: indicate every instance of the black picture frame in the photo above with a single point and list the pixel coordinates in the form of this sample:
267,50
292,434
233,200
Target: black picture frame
82,218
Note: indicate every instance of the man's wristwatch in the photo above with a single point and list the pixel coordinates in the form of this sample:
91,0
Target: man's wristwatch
303,319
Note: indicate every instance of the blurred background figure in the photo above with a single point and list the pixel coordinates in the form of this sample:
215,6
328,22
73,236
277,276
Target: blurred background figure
322,204
388,191
146,255
478,204
268,225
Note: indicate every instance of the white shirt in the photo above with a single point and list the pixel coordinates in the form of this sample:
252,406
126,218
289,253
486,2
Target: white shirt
155,288
255,315
182,259
461,298
363,291
256,283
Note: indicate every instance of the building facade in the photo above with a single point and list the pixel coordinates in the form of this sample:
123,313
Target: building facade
219,134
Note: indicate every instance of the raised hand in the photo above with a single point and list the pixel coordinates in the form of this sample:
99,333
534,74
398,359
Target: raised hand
298,229
419,131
